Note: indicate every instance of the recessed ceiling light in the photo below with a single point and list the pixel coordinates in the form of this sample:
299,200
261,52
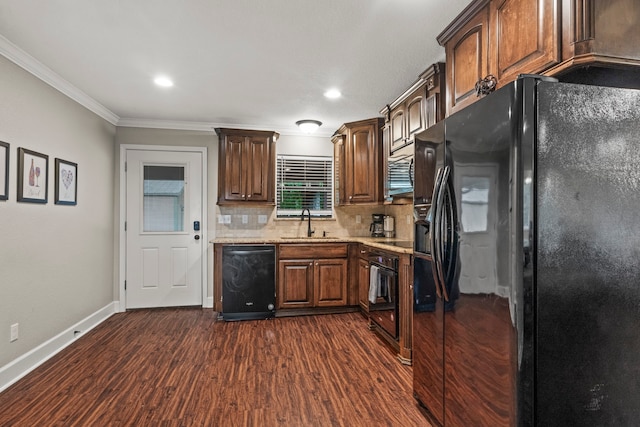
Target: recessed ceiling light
163,81
333,94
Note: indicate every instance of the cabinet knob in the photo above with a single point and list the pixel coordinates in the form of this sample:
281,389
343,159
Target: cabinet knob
249,196
243,195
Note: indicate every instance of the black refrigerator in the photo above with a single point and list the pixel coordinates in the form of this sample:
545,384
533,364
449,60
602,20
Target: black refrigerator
527,260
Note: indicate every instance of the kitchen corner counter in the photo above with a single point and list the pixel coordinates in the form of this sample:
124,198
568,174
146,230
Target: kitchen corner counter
376,242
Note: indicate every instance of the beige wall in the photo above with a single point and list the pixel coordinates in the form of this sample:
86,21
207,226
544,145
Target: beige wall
56,262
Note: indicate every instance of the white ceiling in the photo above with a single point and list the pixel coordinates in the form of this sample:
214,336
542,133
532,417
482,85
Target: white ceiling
259,64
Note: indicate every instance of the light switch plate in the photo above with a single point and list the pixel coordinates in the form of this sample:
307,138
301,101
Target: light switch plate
14,332
227,219
358,219
262,219
245,219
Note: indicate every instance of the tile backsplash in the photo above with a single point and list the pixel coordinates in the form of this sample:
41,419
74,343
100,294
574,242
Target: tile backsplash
349,221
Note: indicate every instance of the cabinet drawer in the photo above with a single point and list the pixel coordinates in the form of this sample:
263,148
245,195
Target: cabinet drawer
313,250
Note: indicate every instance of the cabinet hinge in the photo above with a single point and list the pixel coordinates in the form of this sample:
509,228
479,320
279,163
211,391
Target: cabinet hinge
125,285
125,226
125,167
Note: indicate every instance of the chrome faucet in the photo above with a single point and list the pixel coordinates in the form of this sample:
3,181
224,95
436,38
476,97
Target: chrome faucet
309,230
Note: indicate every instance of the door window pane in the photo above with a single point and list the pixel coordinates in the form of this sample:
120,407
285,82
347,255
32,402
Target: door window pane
163,207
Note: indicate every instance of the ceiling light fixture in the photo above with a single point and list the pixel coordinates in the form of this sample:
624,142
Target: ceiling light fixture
308,126
333,94
163,81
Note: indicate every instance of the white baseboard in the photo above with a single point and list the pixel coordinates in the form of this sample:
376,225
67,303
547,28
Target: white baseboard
208,303
26,363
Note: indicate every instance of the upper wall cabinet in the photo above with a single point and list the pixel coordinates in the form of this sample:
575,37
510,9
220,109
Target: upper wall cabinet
524,37
358,160
599,42
246,166
416,109
499,38
419,107
493,41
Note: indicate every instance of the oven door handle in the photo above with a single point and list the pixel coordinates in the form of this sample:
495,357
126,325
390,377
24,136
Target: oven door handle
435,232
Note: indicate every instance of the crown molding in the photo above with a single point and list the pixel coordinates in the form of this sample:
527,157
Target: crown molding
205,126
19,57
30,64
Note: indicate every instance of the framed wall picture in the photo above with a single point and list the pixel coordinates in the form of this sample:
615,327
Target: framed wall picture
4,170
66,182
33,176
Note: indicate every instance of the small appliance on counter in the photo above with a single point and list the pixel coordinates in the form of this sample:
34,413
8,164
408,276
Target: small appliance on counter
377,226
389,226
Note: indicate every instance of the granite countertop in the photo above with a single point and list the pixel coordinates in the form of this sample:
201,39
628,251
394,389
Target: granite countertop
376,242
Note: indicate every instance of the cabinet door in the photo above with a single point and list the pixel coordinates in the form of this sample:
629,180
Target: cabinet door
397,128
467,61
295,283
259,174
330,282
363,284
363,161
525,37
235,168
415,114
339,169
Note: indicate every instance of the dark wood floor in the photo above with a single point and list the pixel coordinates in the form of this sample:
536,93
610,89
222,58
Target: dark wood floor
180,367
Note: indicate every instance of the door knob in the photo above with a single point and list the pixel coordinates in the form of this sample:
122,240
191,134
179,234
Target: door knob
197,237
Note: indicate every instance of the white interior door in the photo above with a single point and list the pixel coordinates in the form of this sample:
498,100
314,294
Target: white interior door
163,247
478,190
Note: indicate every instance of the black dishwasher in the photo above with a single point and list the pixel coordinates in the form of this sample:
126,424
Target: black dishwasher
248,282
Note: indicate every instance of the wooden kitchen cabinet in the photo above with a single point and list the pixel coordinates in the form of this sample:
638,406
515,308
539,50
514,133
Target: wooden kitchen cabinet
246,166
466,44
500,38
312,275
416,109
361,162
580,41
363,280
295,283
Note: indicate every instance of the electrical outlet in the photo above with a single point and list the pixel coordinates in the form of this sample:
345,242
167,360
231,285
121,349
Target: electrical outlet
14,332
245,219
358,219
227,219
220,219
262,219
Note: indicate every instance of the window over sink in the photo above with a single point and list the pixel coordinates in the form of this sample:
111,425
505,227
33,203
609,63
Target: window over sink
304,182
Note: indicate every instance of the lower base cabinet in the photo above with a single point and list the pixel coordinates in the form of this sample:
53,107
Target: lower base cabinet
312,276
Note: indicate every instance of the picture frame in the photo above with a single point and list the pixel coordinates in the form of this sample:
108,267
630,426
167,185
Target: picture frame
33,176
4,170
66,183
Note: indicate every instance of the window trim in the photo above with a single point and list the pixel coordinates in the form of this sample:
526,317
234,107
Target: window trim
315,213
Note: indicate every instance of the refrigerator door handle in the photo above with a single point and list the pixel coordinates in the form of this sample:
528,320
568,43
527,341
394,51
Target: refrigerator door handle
411,166
439,230
435,232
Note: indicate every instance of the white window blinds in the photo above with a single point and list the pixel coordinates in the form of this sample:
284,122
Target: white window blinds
304,182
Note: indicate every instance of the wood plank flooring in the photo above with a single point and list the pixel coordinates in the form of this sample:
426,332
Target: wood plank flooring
180,367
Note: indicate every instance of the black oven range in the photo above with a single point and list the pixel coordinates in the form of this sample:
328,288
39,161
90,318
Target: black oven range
383,291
